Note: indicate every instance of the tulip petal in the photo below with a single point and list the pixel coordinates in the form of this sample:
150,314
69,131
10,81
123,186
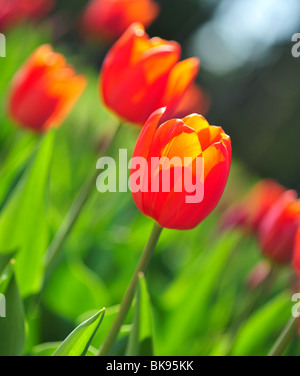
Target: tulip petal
176,213
184,143
143,146
180,79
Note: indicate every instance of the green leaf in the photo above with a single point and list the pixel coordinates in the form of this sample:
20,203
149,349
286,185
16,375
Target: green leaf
110,315
78,342
74,289
12,326
23,225
141,337
258,334
14,164
192,294
4,261
45,349
48,349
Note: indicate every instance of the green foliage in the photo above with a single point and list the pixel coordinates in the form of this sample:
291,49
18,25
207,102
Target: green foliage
141,338
78,342
29,238
12,326
74,289
262,328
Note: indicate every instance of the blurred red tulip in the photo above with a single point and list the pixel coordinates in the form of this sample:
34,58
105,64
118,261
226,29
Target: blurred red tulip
296,254
12,12
278,228
109,19
140,75
191,137
44,91
195,101
251,210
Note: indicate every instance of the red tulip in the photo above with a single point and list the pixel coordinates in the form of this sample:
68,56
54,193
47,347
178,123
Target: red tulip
296,253
140,75
278,228
188,141
109,19
44,91
251,210
12,12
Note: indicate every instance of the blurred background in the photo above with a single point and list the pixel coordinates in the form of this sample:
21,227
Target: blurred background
248,71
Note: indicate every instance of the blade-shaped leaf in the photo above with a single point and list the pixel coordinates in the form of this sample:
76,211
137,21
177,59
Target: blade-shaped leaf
48,349
263,327
4,261
141,337
12,326
78,342
23,226
14,164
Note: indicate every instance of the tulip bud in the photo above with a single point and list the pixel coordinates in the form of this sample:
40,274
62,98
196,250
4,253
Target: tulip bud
296,253
249,213
278,229
173,149
140,75
107,20
44,91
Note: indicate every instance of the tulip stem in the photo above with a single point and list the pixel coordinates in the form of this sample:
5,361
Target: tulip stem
74,213
285,338
129,295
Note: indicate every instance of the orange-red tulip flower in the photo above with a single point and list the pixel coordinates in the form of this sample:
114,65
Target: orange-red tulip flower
109,19
177,145
44,91
296,253
278,228
251,210
12,12
140,75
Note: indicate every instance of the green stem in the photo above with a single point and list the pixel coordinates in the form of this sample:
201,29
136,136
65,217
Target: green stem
285,338
129,295
75,211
